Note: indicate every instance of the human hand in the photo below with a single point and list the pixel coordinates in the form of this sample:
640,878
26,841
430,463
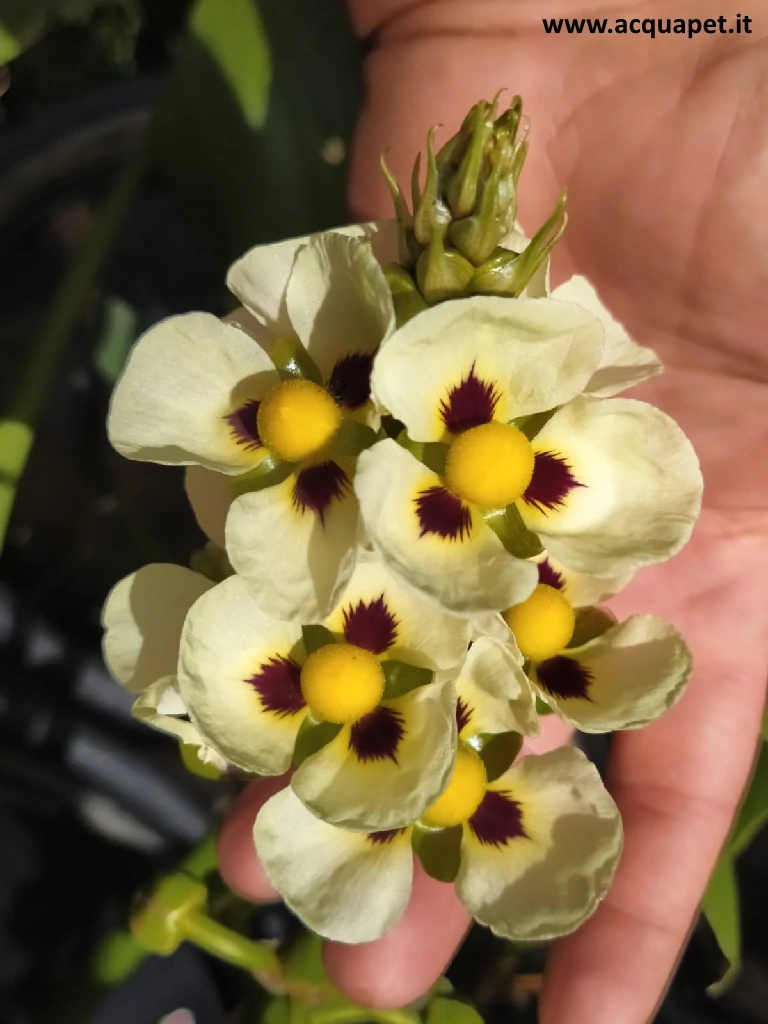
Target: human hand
662,145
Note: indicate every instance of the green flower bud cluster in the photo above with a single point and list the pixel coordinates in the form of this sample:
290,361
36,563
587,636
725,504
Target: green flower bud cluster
452,242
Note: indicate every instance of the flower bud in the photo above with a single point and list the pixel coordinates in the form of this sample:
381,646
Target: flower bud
442,273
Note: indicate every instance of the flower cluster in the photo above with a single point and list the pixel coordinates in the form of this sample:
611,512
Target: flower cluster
409,450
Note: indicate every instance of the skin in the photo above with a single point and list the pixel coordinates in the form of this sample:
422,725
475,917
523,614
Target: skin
663,145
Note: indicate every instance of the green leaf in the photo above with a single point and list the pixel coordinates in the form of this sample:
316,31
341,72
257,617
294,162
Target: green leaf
432,454
508,525
401,678
721,908
444,1010
439,850
233,35
352,438
313,736
316,637
293,362
17,426
754,809
270,471
497,750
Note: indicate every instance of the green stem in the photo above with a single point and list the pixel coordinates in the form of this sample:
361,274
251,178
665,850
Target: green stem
227,945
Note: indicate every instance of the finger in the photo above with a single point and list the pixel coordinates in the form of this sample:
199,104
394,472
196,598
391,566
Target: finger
238,863
401,966
677,783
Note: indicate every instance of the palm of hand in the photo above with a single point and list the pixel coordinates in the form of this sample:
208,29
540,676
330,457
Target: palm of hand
661,143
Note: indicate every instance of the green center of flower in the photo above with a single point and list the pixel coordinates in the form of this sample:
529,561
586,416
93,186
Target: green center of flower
543,625
341,683
490,465
463,794
297,419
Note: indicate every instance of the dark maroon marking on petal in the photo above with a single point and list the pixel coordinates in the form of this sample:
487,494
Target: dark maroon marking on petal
385,836
551,483
242,423
549,576
317,487
469,404
498,820
564,677
370,625
442,513
376,737
278,684
350,380
463,714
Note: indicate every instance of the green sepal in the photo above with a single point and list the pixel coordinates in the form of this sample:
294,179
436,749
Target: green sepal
439,850
590,624
401,678
431,454
312,736
315,637
497,750
293,362
392,427
406,297
508,525
542,708
352,438
408,248
461,190
431,213
270,471
442,273
531,425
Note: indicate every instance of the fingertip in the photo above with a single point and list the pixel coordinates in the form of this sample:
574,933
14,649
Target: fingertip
398,968
239,866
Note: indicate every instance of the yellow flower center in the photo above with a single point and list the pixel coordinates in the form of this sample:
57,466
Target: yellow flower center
490,465
341,682
296,419
463,795
543,624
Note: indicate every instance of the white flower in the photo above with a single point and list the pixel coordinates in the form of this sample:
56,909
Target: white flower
597,674
282,416
364,704
530,846
604,485
143,618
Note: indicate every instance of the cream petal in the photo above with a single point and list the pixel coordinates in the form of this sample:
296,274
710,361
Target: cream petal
531,354
143,617
210,496
629,676
468,572
381,613
547,881
345,886
183,378
296,562
493,691
239,681
624,362
338,300
581,589
259,279
640,486
385,770
161,706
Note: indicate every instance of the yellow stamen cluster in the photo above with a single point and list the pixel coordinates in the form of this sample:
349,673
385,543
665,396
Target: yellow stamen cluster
341,683
297,419
543,625
463,794
490,465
